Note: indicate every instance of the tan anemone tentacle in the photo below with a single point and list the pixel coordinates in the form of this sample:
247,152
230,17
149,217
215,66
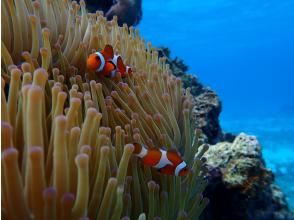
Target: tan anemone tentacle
74,129
60,164
80,207
17,38
14,185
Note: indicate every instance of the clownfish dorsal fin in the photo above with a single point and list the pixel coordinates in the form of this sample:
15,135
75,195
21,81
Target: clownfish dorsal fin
108,52
108,69
120,65
109,66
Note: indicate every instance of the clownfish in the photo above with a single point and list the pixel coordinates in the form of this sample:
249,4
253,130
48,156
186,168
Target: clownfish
101,62
168,162
121,67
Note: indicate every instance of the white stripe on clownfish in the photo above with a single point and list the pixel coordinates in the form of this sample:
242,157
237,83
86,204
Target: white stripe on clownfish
143,152
180,167
114,60
101,57
163,160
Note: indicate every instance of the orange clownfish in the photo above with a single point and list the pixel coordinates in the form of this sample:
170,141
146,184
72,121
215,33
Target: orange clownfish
120,66
167,162
101,62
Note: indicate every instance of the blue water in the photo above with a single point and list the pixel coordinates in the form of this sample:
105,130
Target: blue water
244,50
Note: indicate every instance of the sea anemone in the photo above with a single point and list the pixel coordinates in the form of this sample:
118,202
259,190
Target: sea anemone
67,134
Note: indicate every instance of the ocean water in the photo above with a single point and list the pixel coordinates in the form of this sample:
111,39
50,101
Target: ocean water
244,50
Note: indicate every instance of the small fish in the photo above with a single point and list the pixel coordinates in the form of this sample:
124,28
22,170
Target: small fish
101,62
167,162
121,67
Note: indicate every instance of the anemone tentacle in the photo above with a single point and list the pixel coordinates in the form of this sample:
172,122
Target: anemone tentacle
67,134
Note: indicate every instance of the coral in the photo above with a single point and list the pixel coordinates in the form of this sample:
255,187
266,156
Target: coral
67,134
236,172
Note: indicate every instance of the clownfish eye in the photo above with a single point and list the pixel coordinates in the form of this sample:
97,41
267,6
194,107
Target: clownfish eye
97,57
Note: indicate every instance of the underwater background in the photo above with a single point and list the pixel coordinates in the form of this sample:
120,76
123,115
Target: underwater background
244,50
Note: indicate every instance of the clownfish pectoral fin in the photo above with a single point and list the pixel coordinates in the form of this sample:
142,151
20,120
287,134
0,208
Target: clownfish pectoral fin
109,68
108,52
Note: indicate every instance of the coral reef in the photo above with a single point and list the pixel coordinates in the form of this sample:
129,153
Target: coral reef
67,134
240,186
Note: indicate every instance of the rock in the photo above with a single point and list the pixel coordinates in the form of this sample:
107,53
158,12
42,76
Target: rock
205,114
239,185
127,11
